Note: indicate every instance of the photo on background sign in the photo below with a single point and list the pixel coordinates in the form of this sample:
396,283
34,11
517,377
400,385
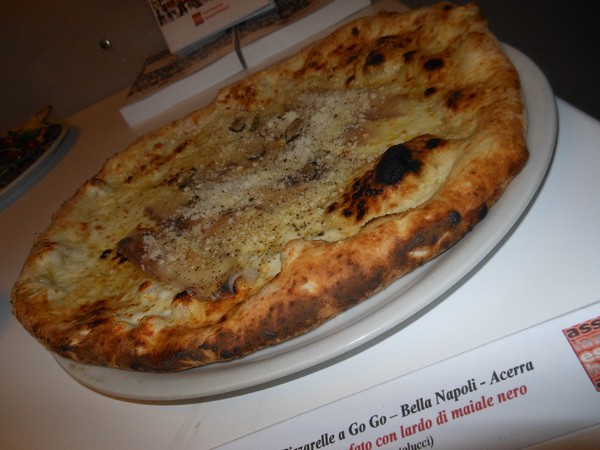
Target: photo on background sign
170,10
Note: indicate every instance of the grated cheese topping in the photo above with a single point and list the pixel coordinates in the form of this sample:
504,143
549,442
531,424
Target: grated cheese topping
272,181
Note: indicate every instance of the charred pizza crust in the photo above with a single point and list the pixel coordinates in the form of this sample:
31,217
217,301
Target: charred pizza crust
89,293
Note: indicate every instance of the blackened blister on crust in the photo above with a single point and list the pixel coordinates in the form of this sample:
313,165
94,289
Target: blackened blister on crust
483,211
456,98
433,143
395,164
408,56
374,59
455,218
94,323
433,64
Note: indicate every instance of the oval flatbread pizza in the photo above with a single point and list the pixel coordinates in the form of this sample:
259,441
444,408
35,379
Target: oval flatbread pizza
298,193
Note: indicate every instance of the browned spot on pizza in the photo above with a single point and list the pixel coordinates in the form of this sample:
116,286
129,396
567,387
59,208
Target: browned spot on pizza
408,56
156,159
395,40
183,298
300,312
395,164
231,353
433,64
375,59
345,52
458,98
64,349
351,58
270,335
455,218
44,246
483,211
433,236
453,98
145,326
98,182
180,148
225,344
316,65
94,323
83,227
348,293
228,288
430,91
132,247
244,94
91,315
433,143
145,285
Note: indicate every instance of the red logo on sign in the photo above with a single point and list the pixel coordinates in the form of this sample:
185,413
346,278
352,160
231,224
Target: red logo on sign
585,341
198,18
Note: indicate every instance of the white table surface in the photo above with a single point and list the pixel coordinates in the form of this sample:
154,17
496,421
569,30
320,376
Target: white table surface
548,266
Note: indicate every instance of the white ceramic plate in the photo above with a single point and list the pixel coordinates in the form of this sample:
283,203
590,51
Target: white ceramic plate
380,314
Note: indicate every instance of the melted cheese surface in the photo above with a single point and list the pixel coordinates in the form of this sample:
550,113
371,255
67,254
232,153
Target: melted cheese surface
251,181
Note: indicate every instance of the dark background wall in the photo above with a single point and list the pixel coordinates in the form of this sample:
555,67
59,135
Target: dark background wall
562,37
50,52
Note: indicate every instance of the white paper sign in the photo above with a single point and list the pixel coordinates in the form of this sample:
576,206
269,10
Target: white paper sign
529,387
184,23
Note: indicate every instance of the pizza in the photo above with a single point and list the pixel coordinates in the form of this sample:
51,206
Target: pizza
297,193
